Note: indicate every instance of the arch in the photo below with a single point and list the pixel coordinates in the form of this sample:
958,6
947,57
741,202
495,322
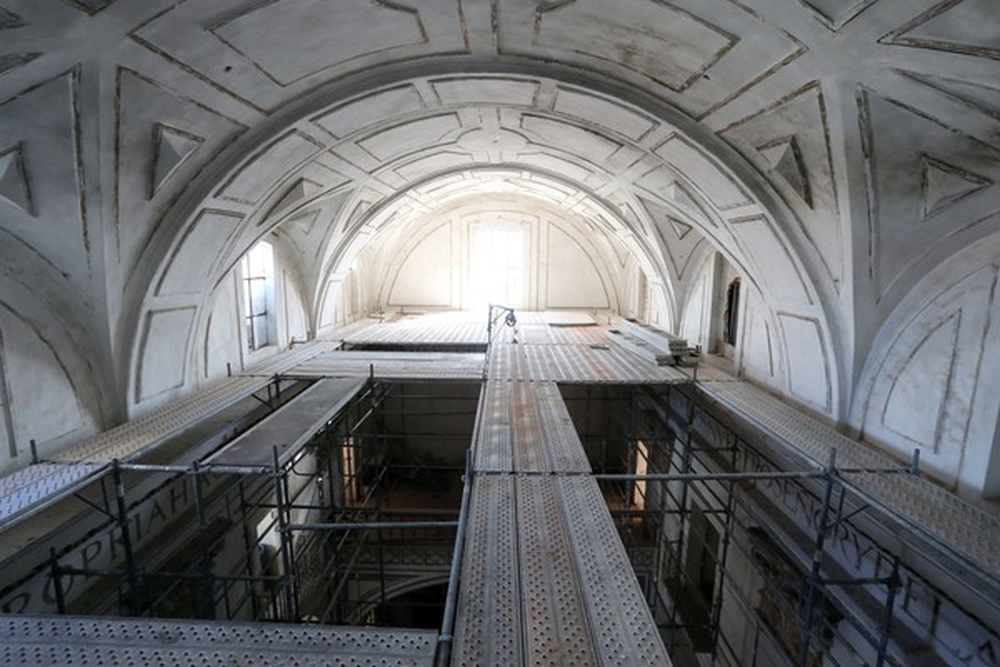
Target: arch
944,334
682,167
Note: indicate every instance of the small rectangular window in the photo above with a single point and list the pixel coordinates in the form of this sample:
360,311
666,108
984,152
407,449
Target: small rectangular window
258,289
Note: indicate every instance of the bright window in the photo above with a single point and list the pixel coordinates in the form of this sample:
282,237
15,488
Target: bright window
497,268
257,269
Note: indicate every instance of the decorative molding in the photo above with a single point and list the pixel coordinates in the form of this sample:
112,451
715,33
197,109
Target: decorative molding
300,190
393,142
161,136
916,399
672,233
165,335
9,19
198,254
324,39
367,110
785,157
91,6
171,147
49,171
954,26
978,96
795,122
255,177
806,365
14,187
835,14
916,166
703,172
9,61
632,39
944,184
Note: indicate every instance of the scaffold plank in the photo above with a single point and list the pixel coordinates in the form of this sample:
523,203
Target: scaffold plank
393,365
460,328
622,625
597,363
31,487
149,430
954,523
29,641
556,628
488,627
562,442
21,498
289,427
493,446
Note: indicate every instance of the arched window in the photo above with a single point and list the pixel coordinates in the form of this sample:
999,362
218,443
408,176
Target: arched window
257,268
731,315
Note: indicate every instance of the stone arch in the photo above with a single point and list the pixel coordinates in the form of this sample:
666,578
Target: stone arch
682,167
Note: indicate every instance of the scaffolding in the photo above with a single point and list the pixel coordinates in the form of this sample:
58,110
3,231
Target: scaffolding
746,551
309,537
741,546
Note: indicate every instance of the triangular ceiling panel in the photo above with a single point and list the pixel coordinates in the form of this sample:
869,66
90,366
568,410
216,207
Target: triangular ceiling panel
303,223
953,26
944,184
679,247
681,228
14,188
171,148
791,138
299,191
790,141
162,139
43,174
11,61
835,13
786,160
982,98
9,19
92,6
918,167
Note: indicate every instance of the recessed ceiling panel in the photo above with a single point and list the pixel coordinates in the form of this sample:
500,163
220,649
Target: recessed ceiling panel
493,91
322,38
254,179
603,112
371,109
399,140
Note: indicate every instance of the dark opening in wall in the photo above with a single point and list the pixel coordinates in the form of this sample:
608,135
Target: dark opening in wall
731,316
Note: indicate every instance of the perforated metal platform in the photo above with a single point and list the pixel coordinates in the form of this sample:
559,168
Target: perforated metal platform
460,328
34,485
600,361
527,429
27,641
26,491
489,630
393,365
546,579
33,488
960,526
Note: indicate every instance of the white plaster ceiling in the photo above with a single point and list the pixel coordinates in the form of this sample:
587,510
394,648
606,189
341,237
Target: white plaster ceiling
835,150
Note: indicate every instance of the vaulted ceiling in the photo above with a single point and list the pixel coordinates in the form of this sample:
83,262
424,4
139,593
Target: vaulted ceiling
842,154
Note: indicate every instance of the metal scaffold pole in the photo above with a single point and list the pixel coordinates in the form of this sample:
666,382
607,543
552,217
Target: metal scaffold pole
813,582
288,579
